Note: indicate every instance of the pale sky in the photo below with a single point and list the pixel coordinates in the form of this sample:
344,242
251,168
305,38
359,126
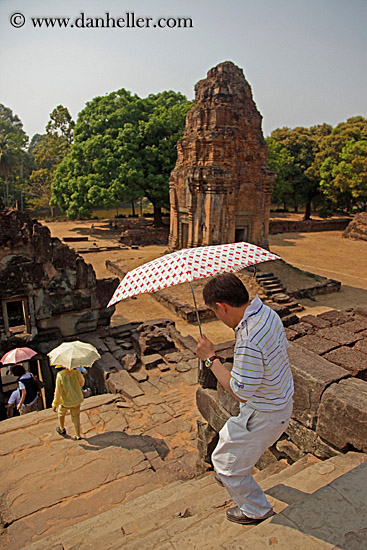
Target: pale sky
306,60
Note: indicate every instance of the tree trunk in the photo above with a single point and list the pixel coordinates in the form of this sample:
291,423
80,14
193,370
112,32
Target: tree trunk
133,208
307,215
158,222
6,191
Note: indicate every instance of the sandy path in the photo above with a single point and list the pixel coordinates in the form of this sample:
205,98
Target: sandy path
328,254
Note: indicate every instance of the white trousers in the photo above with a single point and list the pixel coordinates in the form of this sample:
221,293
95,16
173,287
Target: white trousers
242,441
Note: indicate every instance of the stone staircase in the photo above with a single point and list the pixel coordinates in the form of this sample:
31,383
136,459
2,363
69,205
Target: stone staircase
274,290
318,505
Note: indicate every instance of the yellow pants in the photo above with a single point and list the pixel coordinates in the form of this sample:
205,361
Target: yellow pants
75,417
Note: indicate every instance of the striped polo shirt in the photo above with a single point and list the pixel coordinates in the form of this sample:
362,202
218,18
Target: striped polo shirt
261,373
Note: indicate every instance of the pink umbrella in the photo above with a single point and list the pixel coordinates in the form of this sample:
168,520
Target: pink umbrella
17,355
189,264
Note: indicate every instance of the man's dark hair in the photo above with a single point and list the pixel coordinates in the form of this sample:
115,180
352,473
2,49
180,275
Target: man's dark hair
18,370
225,288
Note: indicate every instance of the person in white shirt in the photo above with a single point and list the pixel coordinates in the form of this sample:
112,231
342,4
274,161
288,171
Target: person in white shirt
13,403
28,390
260,379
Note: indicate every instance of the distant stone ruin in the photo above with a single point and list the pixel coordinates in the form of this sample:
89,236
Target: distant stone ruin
357,229
220,188
47,291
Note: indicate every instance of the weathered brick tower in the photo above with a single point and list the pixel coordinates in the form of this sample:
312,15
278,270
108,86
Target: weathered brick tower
220,188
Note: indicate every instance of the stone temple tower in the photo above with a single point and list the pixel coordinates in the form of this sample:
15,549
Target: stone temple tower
220,188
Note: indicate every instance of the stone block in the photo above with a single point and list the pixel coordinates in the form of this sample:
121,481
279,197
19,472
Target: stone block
335,317
111,344
291,334
342,417
317,345
207,439
290,449
109,363
312,375
361,312
130,362
289,320
339,335
308,441
355,326
151,361
316,322
95,340
183,367
190,377
122,382
140,376
211,409
174,357
361,346
352,360
302,328
231,405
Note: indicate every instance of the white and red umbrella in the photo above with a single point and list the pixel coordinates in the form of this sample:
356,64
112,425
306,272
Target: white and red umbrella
17,355
187,265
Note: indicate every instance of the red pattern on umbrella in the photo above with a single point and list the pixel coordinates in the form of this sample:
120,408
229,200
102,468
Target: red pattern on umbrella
187,265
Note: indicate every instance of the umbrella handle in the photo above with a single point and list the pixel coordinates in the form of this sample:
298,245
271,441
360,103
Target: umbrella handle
198,319
196,309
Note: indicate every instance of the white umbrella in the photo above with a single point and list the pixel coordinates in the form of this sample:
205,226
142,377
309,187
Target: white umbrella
187,265
71,355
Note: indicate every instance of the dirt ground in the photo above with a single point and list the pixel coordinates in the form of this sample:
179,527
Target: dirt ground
326,254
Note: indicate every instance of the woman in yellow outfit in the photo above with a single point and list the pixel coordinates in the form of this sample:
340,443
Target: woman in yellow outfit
68,396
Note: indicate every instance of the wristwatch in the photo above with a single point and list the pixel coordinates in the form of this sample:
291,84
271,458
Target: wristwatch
209,361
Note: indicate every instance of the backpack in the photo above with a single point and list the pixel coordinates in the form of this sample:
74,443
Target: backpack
31,389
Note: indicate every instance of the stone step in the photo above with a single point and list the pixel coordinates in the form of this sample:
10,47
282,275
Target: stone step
320,510
295,306
270,283
275,290
281,298
262,276
189,514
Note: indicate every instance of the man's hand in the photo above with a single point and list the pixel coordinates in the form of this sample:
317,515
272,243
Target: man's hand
205,348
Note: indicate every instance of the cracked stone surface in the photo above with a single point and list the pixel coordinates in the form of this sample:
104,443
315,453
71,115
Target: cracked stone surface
129,447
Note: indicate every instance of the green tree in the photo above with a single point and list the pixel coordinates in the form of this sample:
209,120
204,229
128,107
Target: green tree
335,158
345,181
281,162
48,151
124,149
303,145
13,156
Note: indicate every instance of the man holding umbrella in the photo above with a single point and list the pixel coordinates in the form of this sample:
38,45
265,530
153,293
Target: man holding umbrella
260,379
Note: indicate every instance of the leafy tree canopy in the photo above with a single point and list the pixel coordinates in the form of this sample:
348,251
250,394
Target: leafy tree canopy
281,162
340,162
13,156
124,149
302,145
48,151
